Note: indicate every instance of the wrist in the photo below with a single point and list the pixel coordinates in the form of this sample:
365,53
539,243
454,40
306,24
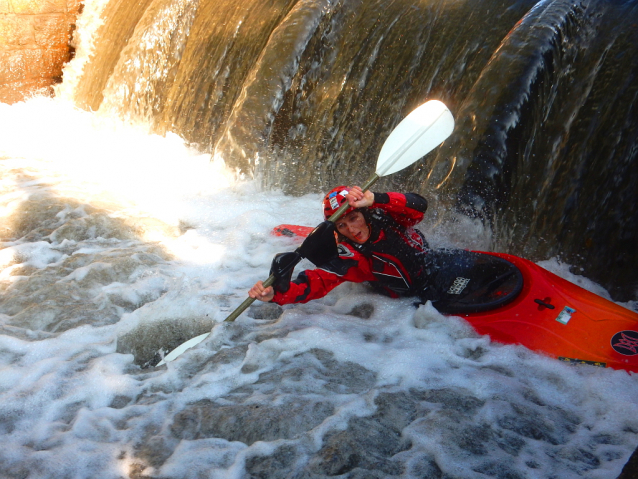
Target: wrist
381,198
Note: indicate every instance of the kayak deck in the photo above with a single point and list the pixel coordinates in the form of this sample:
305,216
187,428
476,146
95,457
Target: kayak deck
563,320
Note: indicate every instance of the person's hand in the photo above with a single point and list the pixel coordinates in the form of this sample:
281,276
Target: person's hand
357,198
262,294
320,245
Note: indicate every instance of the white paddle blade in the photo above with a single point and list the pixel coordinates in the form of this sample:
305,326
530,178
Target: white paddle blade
418,134
179,350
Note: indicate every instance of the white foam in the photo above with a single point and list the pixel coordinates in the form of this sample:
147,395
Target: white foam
72,405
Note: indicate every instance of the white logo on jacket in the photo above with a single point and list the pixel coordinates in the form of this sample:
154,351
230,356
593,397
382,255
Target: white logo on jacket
344,252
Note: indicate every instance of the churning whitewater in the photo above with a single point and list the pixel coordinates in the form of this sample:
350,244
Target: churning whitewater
118,245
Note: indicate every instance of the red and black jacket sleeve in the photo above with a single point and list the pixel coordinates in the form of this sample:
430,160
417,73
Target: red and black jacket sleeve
316,283
406,209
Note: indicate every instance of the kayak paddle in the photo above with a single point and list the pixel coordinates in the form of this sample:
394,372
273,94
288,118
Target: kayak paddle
417,134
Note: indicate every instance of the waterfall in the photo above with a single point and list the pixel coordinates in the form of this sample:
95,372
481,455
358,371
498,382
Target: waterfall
303,93
551,158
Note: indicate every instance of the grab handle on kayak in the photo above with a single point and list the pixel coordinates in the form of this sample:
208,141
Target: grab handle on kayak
545,303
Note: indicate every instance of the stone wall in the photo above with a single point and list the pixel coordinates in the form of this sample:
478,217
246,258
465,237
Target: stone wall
34,45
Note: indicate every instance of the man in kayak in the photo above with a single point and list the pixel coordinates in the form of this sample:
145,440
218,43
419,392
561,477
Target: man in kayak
377,243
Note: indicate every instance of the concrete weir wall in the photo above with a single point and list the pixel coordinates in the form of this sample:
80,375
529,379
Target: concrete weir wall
34,45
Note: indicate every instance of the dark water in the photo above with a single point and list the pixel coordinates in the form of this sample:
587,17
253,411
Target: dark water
303,94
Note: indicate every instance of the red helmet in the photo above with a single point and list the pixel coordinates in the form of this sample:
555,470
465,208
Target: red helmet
334,199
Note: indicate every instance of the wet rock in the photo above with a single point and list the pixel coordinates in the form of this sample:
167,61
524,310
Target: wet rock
425,466
542,424
278,465
318,367
498,471
369,443
475,439
36,217
71,292
363,311
366,444
120,401
249,423
265,311
456,400
155,450
396,410
101,225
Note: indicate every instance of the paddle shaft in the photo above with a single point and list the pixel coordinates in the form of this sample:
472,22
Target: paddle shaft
271,279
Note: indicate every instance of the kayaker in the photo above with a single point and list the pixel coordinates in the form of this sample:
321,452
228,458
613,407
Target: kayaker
376,243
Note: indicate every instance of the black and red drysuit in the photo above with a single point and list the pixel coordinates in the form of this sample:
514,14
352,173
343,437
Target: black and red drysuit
394,259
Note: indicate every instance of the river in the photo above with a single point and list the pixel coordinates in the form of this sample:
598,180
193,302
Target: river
137,210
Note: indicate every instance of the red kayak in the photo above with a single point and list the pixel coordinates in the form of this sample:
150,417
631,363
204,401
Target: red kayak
522,303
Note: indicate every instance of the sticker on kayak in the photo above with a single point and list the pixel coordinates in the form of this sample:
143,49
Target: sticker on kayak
565,315
625,342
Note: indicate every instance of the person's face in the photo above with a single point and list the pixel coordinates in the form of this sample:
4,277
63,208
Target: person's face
354,227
